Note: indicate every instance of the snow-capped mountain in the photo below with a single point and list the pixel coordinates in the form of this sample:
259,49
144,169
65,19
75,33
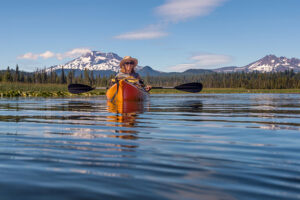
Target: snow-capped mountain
94,60
269,63
108,63
99,62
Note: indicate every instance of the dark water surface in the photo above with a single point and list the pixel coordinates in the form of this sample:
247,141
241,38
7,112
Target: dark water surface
204,146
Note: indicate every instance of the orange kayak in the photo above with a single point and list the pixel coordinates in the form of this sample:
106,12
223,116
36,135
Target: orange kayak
125,91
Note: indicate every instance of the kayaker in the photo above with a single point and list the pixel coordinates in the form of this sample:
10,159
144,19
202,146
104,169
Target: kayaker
127,66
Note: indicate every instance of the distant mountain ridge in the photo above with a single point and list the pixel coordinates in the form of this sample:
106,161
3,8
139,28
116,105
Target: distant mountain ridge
108,64
225,69
269,63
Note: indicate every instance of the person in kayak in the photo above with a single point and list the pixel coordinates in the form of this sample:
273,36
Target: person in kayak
127,66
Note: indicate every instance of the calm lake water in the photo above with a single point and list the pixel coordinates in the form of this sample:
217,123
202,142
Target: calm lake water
177,146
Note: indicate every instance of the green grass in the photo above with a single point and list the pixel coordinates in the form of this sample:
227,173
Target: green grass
40,90
58,90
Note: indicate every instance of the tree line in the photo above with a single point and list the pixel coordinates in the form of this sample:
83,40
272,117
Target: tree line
253,80
52,77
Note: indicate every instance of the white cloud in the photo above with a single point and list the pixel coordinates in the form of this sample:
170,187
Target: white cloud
73,53
209,60
28,56
149,32
182,67
48,54
203,61
141,35
172,11
180,10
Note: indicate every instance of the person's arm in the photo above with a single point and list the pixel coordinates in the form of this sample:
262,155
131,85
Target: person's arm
147,87
141,82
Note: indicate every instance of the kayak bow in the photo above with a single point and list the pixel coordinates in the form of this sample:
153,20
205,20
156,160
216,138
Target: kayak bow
125,91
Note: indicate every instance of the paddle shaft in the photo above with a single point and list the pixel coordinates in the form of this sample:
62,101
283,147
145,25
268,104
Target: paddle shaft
105,88
162,88
187,87
100,88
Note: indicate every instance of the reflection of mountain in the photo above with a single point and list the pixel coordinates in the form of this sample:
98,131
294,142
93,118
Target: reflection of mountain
280,126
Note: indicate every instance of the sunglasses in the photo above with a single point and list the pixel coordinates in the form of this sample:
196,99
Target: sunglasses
129,63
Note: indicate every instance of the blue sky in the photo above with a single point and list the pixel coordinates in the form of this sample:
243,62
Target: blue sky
168,35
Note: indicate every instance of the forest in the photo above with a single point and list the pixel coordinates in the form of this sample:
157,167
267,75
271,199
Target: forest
253,80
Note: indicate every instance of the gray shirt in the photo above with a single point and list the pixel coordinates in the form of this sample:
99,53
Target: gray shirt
122,75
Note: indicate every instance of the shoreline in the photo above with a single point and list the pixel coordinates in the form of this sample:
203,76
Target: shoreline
102,92
233,90
58,90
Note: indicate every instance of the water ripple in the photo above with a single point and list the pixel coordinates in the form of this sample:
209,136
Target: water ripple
206,146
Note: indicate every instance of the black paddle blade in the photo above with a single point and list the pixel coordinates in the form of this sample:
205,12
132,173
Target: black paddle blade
190,87
79,88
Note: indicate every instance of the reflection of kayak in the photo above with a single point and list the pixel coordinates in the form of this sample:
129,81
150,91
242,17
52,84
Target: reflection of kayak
125,91
124,114
126,107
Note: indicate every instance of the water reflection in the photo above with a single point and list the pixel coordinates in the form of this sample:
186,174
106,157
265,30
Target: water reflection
235,146
190,106
125,114
127,107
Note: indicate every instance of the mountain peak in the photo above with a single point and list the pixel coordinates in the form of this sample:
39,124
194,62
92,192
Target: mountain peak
94,60
272,63
269,63
270,56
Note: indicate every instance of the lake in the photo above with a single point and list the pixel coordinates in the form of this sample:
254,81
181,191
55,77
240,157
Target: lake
175,146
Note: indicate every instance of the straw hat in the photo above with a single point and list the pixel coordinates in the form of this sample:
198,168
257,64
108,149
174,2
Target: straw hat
128,59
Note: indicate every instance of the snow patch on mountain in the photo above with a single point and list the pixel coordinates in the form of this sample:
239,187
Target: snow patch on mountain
264,68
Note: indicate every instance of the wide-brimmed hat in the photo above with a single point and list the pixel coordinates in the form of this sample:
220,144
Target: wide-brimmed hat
128,59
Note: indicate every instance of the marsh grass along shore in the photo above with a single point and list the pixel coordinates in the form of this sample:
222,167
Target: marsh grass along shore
60,90
39,90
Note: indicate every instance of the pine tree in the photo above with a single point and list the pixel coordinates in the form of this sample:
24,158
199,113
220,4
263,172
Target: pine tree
70,77
7,75
87,79
62,76
17,74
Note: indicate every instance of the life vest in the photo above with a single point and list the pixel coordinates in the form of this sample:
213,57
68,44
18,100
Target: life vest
130,78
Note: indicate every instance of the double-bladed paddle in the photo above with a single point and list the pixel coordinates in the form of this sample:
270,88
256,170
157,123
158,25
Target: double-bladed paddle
187,87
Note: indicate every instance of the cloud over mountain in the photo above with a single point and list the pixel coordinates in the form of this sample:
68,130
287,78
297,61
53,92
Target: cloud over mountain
48,54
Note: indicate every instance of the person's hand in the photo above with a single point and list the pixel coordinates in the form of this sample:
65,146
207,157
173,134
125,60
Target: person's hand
148,88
